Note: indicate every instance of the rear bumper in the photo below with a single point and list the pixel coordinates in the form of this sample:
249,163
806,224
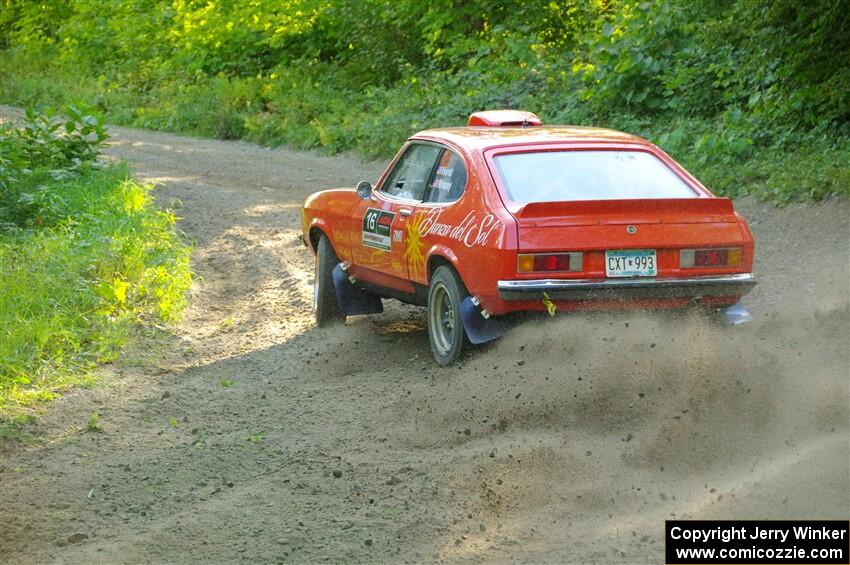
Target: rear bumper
626,289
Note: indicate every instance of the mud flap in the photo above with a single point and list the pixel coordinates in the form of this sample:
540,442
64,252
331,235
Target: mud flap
736,314
352,300
478,328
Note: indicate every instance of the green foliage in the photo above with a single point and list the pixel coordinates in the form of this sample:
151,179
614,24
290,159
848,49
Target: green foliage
94,423
724,85
68,144
13,428
257,438
61,148
85,258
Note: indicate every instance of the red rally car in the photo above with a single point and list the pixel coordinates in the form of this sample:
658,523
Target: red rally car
507,215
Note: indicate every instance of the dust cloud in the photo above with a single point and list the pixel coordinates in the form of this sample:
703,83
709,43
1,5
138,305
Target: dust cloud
599,426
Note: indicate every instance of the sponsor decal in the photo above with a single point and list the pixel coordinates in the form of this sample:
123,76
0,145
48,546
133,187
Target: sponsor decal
376,229
474,230
413,247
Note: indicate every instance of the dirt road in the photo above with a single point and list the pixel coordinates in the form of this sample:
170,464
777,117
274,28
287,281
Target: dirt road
258,437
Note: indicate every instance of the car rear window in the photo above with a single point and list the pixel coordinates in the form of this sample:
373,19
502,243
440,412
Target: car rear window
557,176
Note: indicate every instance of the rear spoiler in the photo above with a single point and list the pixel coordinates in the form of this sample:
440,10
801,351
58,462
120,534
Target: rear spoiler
688,206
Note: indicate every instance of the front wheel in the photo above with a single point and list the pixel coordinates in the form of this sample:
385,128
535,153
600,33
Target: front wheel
445,327
325,305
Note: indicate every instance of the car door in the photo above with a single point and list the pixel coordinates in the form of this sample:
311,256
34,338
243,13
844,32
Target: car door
437,218
379,251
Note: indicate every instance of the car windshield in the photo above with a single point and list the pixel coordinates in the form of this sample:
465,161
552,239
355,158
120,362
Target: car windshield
557,176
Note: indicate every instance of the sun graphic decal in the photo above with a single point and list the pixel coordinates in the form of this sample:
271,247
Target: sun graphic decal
414,243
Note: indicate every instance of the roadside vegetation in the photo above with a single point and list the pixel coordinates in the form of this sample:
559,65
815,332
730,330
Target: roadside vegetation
753,96
86,260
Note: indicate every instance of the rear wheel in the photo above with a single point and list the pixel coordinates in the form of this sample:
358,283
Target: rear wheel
445,327
325,305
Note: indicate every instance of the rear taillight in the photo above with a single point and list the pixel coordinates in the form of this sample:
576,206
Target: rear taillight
724,257
548,262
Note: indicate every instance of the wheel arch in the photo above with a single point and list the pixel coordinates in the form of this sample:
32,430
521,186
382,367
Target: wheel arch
317,230
443,257
314,234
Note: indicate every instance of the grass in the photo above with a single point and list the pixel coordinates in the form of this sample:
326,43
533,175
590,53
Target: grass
13,428
257,438
73,292
94,423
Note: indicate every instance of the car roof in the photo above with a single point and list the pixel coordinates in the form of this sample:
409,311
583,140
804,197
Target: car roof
485,137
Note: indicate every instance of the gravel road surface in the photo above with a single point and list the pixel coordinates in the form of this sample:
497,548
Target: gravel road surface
253,436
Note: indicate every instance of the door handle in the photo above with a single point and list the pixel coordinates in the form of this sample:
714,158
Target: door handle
405,211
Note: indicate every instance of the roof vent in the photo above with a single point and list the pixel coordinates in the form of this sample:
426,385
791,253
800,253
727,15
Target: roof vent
504,118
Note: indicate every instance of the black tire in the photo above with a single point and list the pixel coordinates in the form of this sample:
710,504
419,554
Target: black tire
445,327
325,305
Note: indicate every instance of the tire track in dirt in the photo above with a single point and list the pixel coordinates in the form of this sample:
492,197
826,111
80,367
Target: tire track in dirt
570,440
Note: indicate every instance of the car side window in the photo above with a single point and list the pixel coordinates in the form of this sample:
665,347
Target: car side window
449,180
410,175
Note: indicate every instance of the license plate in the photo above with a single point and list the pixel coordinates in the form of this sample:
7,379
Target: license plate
631,263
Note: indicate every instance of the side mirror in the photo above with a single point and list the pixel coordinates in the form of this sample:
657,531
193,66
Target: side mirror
364,189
